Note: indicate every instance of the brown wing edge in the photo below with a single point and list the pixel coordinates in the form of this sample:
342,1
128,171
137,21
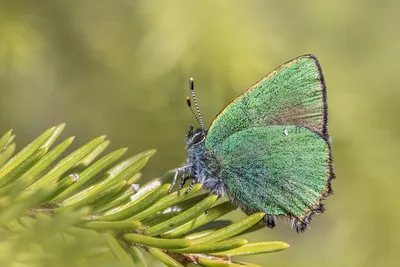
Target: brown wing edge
321,78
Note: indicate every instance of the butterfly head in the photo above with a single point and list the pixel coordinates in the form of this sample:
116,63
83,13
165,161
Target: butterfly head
195,137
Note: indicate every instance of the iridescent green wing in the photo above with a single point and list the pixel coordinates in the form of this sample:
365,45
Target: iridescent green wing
293,94
280,170
272,143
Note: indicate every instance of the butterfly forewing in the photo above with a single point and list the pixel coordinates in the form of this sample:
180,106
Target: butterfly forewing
293,94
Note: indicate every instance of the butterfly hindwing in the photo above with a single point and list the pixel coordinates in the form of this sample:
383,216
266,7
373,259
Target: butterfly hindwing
293,94
280,170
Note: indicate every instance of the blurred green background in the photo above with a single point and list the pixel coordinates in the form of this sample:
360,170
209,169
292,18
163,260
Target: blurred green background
121,68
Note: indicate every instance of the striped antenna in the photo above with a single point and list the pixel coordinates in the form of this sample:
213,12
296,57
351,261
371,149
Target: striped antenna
198,118
189,103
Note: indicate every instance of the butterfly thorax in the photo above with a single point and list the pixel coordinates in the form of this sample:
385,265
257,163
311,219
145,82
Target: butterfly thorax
202,164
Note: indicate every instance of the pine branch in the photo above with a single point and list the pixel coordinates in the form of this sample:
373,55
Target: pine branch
85,211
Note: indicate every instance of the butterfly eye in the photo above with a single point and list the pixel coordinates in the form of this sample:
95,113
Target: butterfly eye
198,137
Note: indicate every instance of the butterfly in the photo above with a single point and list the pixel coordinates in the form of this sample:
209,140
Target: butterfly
269,149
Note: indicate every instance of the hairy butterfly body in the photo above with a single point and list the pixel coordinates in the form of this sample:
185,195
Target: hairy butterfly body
269,149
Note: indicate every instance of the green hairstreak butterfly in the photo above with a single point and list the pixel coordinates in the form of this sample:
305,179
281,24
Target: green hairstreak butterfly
269,149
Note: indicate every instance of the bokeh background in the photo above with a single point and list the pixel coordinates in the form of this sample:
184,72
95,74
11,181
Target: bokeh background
121,68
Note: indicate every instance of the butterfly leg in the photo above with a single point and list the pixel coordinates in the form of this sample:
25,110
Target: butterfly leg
191,186
269,220
183,181
178,171
173,181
